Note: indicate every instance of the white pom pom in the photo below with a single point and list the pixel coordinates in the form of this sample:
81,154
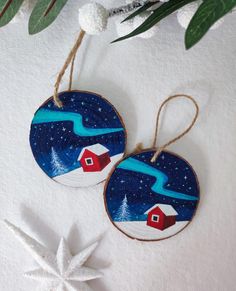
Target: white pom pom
131,1
125,27
185,14
130,25
142,2
128,1
93,18
217,24
138,20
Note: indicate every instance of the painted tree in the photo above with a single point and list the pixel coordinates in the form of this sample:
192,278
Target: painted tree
123,213
58,168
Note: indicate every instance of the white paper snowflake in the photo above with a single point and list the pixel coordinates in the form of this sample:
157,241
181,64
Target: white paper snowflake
57,272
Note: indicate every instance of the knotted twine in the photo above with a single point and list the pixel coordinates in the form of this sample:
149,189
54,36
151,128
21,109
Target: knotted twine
163,147
69,60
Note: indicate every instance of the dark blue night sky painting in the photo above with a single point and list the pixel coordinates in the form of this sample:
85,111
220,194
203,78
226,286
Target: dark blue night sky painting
152,201
77,144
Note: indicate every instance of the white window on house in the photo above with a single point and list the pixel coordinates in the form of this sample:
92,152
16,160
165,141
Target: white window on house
155,218
89,161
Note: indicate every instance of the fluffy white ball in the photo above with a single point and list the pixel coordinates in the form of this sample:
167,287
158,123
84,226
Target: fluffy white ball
185,14
93,18
131,1
144,1
128,26
217,24
138,20
125,27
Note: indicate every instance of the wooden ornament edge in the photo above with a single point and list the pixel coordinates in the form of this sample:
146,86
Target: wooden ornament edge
136,153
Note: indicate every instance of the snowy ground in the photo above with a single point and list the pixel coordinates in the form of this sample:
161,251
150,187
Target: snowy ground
79,178
140,230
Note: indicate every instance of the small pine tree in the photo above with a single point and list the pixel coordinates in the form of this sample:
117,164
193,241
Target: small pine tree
123,213
58,168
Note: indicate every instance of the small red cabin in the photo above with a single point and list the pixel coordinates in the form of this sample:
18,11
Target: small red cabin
161,216
94,158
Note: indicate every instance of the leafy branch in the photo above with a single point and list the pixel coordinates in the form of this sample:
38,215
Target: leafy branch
158,14
43,14
8,9
209,12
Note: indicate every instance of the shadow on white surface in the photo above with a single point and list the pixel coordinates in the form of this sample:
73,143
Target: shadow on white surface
40,228
97,285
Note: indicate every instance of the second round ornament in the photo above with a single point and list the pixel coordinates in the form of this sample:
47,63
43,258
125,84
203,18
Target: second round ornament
153,194
152,201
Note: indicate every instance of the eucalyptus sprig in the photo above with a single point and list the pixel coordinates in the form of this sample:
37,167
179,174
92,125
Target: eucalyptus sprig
208,13
46,11
43,14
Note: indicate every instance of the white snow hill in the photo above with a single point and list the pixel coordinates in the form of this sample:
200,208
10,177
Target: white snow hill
140,230
79,178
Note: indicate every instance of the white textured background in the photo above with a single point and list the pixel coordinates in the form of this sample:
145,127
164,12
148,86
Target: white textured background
135,76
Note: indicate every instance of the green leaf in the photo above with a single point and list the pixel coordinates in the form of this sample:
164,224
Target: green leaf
161,12
44,13
207,14
8,9
140,10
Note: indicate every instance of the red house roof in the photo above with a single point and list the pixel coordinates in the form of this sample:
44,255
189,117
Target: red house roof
97,149
168,210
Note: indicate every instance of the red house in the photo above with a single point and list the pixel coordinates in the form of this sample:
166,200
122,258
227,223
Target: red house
161,216
94,158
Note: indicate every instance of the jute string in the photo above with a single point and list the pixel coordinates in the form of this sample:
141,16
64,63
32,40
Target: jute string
163,147
69,60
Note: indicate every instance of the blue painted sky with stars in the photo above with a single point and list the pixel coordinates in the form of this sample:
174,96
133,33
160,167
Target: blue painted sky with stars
96,113
137,187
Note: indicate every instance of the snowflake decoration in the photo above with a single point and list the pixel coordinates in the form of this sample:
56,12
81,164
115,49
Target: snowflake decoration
60,271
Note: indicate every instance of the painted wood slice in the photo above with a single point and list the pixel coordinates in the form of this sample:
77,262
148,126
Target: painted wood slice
151,201
78,144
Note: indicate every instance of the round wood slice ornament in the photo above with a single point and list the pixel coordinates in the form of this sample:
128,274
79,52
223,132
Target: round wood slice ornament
151,201
77,144
153,194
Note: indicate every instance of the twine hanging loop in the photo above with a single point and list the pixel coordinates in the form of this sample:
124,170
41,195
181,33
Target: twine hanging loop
163,147
69,60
